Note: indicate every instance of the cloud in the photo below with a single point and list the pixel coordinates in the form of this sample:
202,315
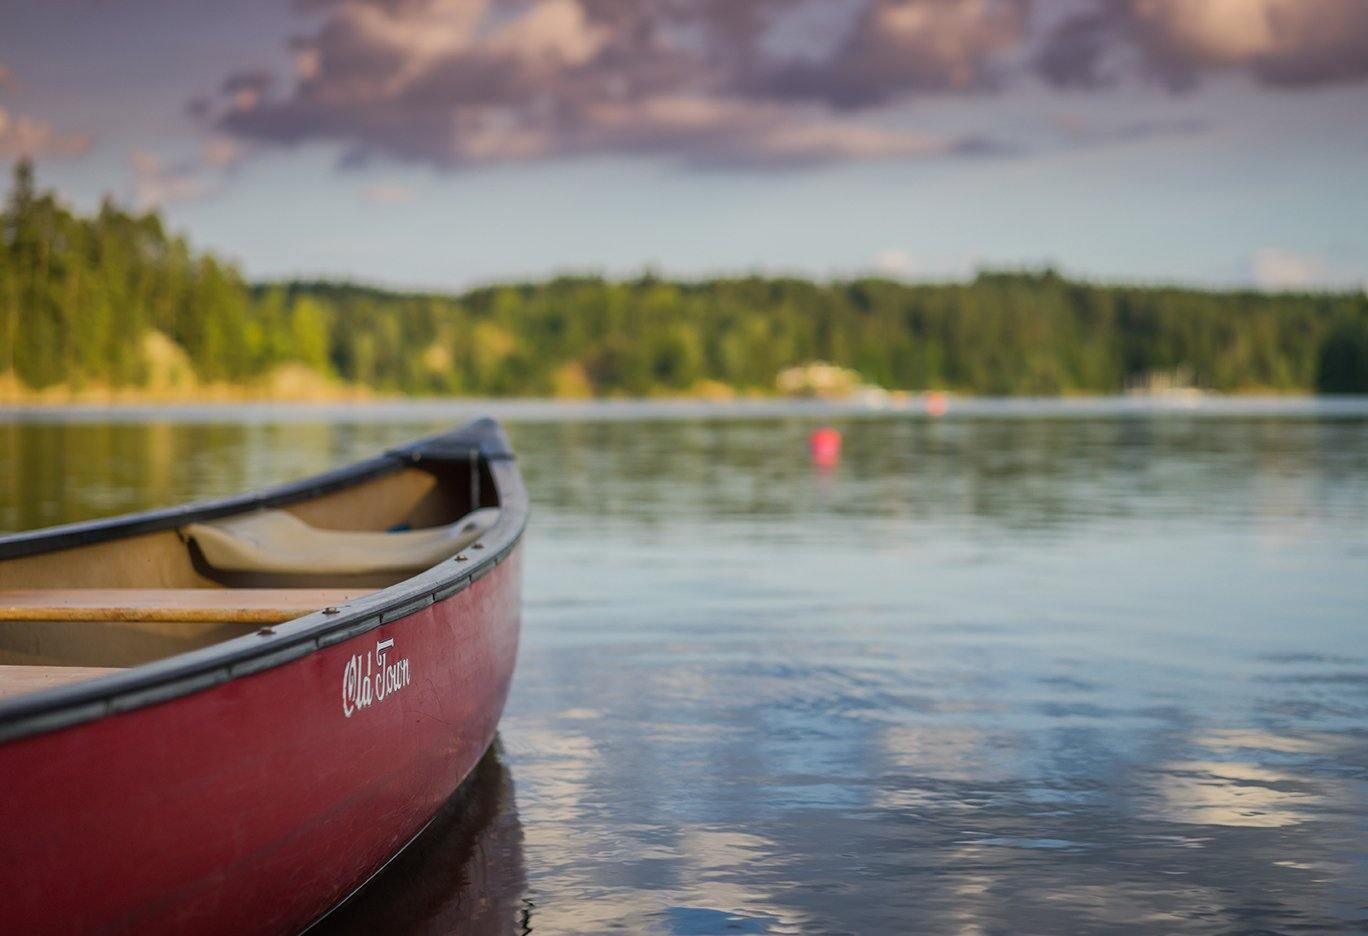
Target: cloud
158,182
762,83
388,194
223,153
1283,42
1082,132
893,262
457,83
25,136
1276,268
737,133
902,46
1288,43
899,263
1074,54
245,89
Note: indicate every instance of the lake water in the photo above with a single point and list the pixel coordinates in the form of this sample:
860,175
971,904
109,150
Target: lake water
1031,667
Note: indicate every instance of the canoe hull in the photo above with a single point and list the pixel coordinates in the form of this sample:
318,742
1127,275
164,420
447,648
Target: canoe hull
260,803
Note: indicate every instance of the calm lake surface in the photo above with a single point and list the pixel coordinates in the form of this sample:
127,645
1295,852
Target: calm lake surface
1031,667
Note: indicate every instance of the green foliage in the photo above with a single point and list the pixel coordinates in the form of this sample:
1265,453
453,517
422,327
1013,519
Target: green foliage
76,294
308,335
1343,364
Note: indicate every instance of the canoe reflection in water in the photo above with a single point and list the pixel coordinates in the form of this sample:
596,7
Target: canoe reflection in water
464,874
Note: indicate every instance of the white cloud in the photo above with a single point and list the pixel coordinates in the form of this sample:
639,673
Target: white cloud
1279,268
902,263
894,262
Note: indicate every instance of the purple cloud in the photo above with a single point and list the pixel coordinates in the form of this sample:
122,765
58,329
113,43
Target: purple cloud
245,89
764,83
465,82
897,47
1289,43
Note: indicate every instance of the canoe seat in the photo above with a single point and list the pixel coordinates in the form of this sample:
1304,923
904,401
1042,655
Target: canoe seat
102,627
276,542
170,605
17,680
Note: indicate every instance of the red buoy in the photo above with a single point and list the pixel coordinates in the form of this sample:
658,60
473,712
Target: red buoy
825,447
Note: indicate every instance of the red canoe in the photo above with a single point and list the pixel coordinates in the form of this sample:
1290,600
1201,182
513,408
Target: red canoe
224,718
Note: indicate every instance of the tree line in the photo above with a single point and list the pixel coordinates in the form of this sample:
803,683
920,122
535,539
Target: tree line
114,299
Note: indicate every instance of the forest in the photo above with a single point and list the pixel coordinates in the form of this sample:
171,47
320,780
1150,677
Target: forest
115,302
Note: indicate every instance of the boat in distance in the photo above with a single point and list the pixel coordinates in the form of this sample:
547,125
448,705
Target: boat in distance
226,717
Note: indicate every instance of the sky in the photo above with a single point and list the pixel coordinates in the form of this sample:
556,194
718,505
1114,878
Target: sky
436,144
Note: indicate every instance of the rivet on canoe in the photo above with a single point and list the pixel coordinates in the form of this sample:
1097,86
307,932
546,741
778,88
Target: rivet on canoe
462,557
266,632
478,546
329,610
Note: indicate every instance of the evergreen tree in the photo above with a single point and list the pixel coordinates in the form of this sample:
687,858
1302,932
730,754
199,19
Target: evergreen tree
1343,364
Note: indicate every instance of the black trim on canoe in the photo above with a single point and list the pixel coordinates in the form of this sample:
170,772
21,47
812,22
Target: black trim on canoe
162,680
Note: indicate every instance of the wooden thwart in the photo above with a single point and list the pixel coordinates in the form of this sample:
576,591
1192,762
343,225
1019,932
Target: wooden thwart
17,680
171,605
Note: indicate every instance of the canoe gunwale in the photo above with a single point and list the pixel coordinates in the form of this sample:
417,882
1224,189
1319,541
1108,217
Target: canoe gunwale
170,678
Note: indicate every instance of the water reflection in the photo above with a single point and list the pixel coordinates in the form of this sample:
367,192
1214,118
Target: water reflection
1009,673
465,874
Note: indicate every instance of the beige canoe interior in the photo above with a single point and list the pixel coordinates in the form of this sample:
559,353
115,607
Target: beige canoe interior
82,612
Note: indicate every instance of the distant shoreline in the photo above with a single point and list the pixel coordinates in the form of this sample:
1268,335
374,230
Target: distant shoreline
116,309
228,396
442,410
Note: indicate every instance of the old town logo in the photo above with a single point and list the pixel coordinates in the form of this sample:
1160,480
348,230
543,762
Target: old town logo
372,677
